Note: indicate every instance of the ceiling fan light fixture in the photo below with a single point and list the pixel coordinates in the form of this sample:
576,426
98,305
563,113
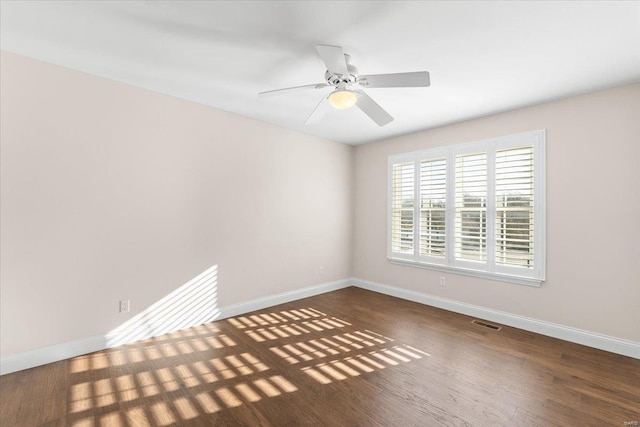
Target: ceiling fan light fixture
343,99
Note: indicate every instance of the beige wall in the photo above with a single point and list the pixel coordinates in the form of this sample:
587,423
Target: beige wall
111,192
593,177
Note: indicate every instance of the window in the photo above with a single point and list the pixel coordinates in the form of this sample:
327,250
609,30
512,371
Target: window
475,208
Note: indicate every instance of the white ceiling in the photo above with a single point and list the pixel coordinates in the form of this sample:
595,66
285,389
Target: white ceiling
484,57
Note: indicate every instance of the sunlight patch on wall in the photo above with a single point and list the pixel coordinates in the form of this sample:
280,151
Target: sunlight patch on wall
192,304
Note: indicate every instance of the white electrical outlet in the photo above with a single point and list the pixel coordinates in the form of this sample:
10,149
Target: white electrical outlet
125,305
443,281
321,271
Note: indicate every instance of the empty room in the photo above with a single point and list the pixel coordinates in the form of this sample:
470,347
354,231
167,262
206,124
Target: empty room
323,213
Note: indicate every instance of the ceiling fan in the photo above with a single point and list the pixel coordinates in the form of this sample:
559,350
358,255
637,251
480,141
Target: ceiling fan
347,86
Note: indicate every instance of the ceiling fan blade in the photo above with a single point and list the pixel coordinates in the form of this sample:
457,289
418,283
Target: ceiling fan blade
372,109
415,79
292,89
319,112
333,58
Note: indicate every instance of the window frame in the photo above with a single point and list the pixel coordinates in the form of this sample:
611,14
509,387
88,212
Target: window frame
489,269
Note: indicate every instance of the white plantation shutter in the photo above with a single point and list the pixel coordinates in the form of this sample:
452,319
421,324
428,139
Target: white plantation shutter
471,207
475,209
515,207
402,208
433,194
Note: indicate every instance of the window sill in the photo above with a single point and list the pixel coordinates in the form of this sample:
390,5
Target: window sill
525,281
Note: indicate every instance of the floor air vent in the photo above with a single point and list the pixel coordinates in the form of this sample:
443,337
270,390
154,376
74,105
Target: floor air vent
486,325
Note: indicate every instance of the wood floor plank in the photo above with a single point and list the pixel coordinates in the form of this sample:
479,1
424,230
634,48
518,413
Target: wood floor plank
349,357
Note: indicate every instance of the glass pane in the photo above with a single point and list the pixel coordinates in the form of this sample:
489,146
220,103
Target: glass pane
471,205
514,207
433,193
402,202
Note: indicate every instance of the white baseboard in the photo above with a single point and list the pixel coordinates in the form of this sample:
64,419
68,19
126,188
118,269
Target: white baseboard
53,353
270,301
567,333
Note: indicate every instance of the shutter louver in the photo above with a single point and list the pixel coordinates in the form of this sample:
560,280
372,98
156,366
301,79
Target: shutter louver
433,194
402,209
471,207
514,207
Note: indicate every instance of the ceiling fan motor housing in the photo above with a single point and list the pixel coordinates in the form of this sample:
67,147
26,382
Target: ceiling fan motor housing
343,79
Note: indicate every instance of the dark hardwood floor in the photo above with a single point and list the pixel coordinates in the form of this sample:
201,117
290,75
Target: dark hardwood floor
350,357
